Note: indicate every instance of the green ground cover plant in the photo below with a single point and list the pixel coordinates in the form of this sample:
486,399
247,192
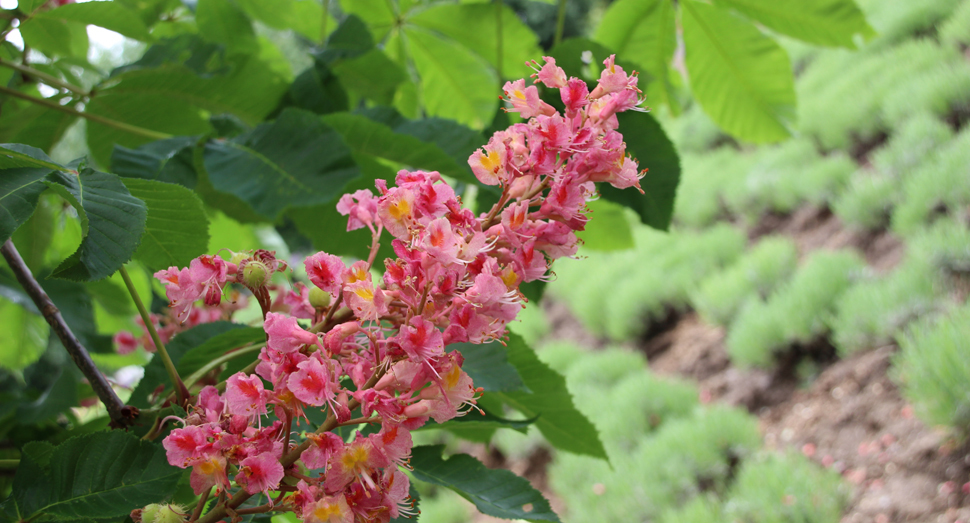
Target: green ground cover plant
937,187
797,312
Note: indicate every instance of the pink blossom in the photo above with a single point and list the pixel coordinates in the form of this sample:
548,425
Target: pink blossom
361,209
324,271
260,473
285,334
314,382
245,396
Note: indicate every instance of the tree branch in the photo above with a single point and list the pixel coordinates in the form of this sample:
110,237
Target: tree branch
121,415
43,77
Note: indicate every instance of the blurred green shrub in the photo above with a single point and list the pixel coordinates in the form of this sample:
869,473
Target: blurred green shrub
956,30
720,296
895,20
938,186
785,488
934,369
703,180
796,312
657,277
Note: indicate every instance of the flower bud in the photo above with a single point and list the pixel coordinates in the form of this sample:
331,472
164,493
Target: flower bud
255,274
238,257
319,298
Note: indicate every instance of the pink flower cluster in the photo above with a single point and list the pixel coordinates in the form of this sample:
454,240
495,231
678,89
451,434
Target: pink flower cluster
378,344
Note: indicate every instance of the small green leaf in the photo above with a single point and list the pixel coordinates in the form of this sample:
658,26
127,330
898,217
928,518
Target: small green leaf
55,37
495,492
176,228
112,222
455,83
741,77
488,366
643,32
14,155
218,345
647,142
93,477
298,160
559,421
109,15
19,191
822,22
607,229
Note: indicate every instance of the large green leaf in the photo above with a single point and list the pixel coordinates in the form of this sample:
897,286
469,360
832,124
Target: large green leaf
223,22
55,37
375,139
23,336
378,14
318,90
372,75
474,26
33,125
18,155
822,22
19,191
643,32
177,347
741,77
93,477
647,142
303,16
77,309
218,345
112,222
495,492
298,160
488,366
559,421
163,160
607,229
455,82
109,15
176,229
174,99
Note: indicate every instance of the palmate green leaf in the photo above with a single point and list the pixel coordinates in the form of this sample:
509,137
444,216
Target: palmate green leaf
741,77
559,421
163,160
455,82
607,229
366,136
644,33
55,37
112,222
93,477
822,22
647,142
109,15
180,345
298,160
23,336
378,15
19,190
176,228
372,75
474,26
498,493
488,366
318,90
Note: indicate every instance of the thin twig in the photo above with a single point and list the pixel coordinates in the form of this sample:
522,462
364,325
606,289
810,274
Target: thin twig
9,463
44,77
121,415
181,393
147,133
198,508
560,23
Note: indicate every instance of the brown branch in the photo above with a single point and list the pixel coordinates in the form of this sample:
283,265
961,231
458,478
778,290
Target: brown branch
121,415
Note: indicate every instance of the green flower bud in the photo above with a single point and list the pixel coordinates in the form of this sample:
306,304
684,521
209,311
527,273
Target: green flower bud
319,298
237,258
255,274
159,513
